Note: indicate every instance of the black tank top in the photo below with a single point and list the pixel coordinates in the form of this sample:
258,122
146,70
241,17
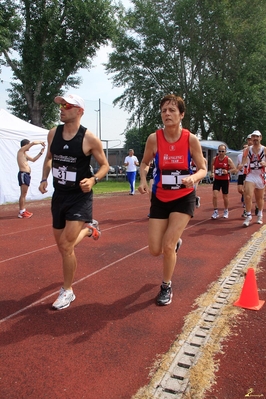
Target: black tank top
69,163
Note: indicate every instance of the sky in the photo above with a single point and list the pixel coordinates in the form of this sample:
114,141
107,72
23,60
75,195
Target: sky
96,89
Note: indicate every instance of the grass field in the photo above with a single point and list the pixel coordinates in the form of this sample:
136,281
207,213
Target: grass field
104,187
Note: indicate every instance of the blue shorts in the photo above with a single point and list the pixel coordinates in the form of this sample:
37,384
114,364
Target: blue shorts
71,206
24,178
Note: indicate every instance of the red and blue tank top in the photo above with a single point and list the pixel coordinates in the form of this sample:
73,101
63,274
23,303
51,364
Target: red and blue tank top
171,165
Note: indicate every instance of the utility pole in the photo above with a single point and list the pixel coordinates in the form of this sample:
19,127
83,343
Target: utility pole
100,120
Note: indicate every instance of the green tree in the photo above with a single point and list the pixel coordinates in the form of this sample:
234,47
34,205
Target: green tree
211,52
54,40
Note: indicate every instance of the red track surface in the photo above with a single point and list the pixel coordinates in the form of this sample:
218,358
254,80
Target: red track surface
104,345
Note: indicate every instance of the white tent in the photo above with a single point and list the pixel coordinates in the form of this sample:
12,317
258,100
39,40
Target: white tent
12,131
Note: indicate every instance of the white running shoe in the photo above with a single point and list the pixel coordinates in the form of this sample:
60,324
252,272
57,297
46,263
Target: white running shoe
95,229
64,299
259,219
178,245
247,221
226,214
215,214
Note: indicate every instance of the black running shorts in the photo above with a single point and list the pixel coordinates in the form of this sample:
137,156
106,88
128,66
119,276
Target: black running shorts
162,210
240,180
71,206
221,184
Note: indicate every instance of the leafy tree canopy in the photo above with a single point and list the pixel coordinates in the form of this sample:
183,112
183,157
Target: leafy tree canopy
45,44
210,52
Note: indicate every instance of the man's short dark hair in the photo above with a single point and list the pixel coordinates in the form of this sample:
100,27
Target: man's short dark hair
24,142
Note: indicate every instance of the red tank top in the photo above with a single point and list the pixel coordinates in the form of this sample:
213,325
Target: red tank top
218,166
172,162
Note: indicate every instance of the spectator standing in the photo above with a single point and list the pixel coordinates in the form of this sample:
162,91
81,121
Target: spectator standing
24,174
131,162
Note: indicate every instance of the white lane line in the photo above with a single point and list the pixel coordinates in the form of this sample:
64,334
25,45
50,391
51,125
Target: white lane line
75,283
27,253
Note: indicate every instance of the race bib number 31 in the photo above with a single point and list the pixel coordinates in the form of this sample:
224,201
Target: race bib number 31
65,175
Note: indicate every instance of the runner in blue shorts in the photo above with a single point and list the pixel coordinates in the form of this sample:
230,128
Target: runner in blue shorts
24,176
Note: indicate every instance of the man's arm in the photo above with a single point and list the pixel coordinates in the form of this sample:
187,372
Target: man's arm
244,158
232,167
29,158
47,164
94,146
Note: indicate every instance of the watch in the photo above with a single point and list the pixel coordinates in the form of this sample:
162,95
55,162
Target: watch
96,179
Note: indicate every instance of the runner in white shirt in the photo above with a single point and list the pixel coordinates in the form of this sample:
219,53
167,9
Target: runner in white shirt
255,155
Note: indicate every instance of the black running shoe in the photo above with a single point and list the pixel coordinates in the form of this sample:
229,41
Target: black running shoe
178,245
197,202
165,296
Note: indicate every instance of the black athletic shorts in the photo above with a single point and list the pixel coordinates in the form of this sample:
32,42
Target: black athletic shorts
162,210
240,180
221,184
71,206
24,178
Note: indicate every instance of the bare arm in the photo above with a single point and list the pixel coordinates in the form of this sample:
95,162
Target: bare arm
198,158
94,146
233,168
29,158
47,164
149,152
212,167
244,158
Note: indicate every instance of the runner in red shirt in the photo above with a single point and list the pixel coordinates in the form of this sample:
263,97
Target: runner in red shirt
173,193
221,165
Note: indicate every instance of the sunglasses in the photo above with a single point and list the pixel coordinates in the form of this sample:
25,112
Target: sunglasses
68,106
221,151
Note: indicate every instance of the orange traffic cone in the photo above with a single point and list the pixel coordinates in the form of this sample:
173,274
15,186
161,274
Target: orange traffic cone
249,298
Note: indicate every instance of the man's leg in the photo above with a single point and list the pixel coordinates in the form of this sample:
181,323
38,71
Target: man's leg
215,214
226,201
259,197
130,177
248,194
22,198
66,240
215,199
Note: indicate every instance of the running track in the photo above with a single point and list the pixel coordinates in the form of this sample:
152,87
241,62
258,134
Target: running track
107,342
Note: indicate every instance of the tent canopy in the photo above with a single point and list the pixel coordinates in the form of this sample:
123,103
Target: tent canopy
12,131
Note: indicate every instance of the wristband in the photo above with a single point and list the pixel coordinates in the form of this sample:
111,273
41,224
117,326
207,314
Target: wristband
43,180
40,153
